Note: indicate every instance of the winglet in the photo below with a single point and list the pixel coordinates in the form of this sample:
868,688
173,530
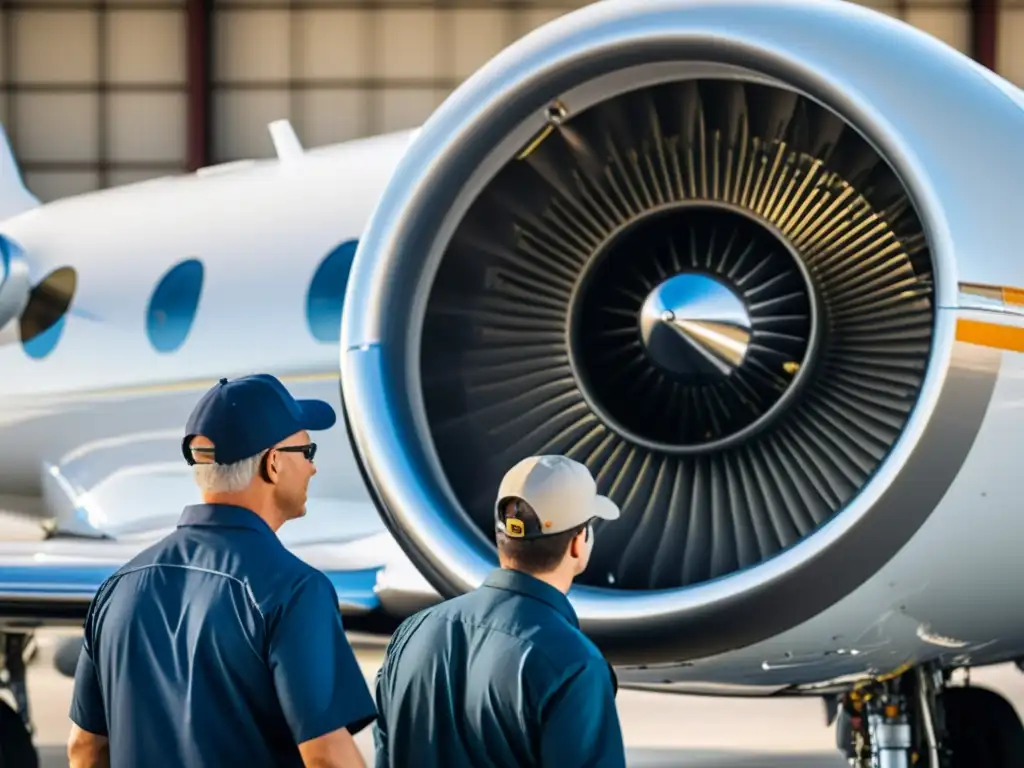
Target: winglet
286,143
14,197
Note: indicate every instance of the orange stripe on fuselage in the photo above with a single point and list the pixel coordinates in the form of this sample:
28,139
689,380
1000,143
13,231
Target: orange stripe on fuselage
990,335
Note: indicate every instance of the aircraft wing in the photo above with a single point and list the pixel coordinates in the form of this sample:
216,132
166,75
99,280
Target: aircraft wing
90,531
53,580
109,481
59,576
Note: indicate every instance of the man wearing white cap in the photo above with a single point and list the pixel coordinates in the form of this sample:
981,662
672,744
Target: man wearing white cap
503,676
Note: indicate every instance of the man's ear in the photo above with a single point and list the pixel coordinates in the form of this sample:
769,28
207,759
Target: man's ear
576,545
269,468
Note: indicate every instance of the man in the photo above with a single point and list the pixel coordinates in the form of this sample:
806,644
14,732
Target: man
217,646
502,676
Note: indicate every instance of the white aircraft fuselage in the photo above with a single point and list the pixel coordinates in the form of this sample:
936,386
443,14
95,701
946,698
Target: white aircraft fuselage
90,429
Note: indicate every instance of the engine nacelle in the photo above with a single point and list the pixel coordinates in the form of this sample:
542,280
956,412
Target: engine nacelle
712,249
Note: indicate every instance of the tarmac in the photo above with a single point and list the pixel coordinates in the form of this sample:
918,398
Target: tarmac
659,729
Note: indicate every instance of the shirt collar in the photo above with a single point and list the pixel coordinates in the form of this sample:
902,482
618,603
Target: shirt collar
222,515
525,584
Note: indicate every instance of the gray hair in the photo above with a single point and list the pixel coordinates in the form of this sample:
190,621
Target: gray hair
227,478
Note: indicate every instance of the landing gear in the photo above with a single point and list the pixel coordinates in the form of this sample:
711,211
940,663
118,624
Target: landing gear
915,719
16,748
982,728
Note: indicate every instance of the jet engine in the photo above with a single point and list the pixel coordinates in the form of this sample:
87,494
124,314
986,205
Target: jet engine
711,249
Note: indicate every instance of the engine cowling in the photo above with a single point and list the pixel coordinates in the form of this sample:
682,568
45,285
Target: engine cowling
709,248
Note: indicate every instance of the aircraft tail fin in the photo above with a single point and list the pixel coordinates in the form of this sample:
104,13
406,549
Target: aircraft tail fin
14,196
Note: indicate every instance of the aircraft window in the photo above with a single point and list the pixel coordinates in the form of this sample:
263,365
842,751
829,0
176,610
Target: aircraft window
42,321
172,308
327,293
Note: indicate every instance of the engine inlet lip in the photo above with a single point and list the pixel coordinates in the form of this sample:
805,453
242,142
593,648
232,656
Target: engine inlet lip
574,331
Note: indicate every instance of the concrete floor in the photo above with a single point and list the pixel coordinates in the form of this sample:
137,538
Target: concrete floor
660,729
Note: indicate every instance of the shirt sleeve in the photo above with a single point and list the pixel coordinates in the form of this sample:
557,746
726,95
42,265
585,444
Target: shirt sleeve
318,680
87,710
380,727
579,722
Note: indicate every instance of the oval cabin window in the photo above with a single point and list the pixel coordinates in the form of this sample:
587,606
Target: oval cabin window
172,308
327,293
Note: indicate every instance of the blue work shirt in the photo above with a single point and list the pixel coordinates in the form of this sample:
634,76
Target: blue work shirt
501,676
217,647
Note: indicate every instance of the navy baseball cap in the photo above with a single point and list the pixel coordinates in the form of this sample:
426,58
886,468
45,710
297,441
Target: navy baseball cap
247,415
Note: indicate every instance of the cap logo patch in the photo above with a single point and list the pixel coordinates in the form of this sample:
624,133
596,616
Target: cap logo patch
515,528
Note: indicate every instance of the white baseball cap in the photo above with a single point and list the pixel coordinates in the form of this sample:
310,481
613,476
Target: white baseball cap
561,491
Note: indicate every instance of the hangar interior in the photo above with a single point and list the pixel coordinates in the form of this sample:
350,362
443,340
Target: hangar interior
97,93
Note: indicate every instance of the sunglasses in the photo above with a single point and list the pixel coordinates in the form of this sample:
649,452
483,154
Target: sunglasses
308,450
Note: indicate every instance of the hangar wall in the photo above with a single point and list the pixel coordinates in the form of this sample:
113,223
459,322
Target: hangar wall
94,93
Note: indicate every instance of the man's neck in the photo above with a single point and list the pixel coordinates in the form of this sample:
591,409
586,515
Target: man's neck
249,501
554,579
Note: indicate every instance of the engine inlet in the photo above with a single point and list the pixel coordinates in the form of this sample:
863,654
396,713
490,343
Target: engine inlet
714,293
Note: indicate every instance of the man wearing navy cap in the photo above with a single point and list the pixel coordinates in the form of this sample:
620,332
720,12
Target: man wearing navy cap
502,676
217,646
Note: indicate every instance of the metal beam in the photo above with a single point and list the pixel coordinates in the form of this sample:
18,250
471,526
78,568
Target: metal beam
102,95
199,35
7,66
984,30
